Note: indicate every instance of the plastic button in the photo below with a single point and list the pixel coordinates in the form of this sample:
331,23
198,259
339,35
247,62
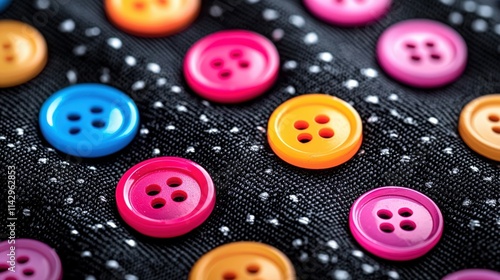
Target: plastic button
165,197
396,223
4,4
479,126
152,18
473,274
348,12
243,260
315,131
23,53
31,259
231,66
422,53
89,120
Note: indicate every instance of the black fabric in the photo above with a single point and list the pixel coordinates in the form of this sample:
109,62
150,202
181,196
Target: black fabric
69,203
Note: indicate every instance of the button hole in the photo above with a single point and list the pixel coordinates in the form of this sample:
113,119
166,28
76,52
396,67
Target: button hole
7,46
98,124
162,2
4,267
415,58
253,269
74,131
23,259
430,44
384,214
407,225
9,58
304,138
244,64
74,117
301,125
96,110
179,196
496,129
174,182
158,203
28,272
405,212
494,118
410,45
225,74
326,133
139,5
435,56
235,54
386,227
217,63
229,275
153,190
322,119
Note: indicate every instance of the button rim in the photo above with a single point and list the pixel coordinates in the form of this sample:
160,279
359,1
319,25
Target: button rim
471,274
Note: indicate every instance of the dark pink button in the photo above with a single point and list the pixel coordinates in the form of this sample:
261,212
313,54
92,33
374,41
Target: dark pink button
422,53
473,274
231,66
348,12
396,223
28,259
165,197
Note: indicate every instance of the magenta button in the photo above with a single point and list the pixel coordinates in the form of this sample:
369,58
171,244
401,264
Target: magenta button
473,274
348,12
422,53
231,66
165,197
396,223
30,259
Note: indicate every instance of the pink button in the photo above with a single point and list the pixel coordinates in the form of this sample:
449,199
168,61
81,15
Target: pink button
422,53
348,12
165,197
473,274
396,223
231,66
28,259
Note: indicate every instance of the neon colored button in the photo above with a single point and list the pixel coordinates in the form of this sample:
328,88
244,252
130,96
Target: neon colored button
243,260
89,120
396,223
479,126
23,53
422,53
152,17
231,66
348,12
315,131
4,4
31,259
165,197
473,274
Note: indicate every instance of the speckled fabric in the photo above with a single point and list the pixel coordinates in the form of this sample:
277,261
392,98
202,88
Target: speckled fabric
410,139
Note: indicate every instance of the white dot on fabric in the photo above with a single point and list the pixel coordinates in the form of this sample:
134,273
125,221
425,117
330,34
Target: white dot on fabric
216,11
456,18
278,34
393,97
161,82
264,196
71,76
130,60
368,269
290,65
290,90
138,85
224,230
497,29
393,274
153,67
294,198
311,38
115,43
158,104
357,253
479,25
86,254
351,84
42,4
67,26
372,99
433,120
304,220
297,21
469,6
273,222
144,131
270,14
203,118
485,11
323,258
447,2
325,56
234,130
170,127
92,32
190,150
90,277
314,69
176,89
253,1
332,244
112,264
341,275
250,219
105,77
369,72
74,232
130,242
131,277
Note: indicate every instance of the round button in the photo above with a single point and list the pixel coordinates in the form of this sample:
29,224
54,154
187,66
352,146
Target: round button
26,259
422,53
479,126
152,18
396,223
89,120
231,66
315,131
165,197
23,53
243,260
473,274
348,12
4,4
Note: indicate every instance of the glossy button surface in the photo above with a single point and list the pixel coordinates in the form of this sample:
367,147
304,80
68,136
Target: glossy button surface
473,274
89,120
231,66
245,261
23,53
315,131
165,197
32,260
152,17
4,4
422,53
479,126
396,223
348,12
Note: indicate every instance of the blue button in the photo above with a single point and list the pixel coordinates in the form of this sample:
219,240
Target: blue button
4,4
89,120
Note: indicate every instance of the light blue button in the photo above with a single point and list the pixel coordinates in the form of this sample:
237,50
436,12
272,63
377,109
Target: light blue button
89,120
4,4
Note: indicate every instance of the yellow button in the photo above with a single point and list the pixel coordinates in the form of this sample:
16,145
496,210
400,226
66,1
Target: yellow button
479,126
243,261
152,17
23,53
315,131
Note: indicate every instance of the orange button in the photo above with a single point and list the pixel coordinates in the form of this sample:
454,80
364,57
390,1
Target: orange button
152,17
315,131
479,125
243,261
23,53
